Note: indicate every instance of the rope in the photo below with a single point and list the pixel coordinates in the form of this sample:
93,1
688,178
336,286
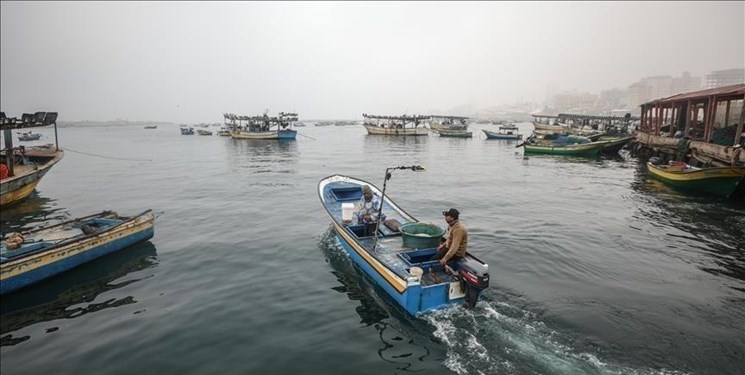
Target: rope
105,157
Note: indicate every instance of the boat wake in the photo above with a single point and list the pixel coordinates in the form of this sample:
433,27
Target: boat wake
498,338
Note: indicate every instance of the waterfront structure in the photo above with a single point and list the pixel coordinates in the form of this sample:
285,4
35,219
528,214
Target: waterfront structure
705,126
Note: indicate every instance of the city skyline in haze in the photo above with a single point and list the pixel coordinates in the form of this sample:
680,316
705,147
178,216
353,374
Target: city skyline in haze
194,61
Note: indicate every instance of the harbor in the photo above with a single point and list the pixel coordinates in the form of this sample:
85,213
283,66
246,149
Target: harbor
372,188
556,253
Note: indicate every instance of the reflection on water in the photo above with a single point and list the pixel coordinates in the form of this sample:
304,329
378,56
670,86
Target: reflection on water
53,298
30,213
397,336
694,223
397,146
263,156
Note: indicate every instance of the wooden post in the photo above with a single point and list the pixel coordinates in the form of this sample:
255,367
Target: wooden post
738,134
9,155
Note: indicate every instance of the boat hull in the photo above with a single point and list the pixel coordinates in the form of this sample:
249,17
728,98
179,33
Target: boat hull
495,135
268,135
720,181
19,273
20,186
377,130
615,144
586,149
455,134
383,264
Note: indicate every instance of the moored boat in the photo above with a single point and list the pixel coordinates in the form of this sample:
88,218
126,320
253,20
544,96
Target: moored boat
397,257
615,143
395,125
439,122
262,127
504,132
22,168
721,181
187,130
32,256
204,132
29,136
578,149
151,126
454,133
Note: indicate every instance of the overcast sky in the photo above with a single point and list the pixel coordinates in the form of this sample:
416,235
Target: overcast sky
192,61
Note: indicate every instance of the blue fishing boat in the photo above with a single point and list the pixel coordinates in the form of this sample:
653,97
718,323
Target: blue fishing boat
29,257
397,254
186,130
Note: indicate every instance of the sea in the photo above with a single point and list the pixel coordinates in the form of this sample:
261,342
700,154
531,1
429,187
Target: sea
595,268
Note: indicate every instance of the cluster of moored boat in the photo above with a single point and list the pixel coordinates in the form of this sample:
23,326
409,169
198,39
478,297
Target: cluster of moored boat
31,256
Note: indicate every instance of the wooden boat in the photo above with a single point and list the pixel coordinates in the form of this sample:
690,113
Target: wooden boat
32,256
204,132
262,127
151,126
402,269
21,168
448,123
580,149
615,143
224,132
187,130
29,136
551,128
721,181
395,125
30,165
504,132
454,133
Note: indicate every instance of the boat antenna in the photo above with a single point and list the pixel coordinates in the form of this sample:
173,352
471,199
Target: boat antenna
388,175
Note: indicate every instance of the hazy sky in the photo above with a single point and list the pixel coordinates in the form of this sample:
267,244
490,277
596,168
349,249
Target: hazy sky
192,61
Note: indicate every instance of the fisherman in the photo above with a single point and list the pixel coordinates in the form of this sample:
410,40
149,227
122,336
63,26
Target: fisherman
366,210
454,247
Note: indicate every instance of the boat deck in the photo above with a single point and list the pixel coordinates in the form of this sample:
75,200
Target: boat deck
390,249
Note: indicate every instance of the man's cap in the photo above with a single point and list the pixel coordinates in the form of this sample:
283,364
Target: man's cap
451,212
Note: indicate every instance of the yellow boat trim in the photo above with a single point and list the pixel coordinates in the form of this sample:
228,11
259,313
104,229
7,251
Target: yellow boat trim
701,174
18,194
19,266
389,276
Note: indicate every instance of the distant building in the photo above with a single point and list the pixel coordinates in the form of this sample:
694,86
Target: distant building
684,84
719,78
657,87
613,98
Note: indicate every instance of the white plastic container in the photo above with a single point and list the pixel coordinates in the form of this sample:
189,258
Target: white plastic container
416,272
347,211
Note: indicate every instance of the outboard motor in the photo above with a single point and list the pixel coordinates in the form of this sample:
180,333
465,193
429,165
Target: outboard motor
474,278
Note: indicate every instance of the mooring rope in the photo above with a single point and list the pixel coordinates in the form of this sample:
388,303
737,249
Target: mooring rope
103,156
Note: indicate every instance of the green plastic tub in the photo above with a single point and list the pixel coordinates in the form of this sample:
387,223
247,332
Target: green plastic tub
421,235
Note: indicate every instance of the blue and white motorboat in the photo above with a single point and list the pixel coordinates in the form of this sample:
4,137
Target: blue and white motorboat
29,257
397,258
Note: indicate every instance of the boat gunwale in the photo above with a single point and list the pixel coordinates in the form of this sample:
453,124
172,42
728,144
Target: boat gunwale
400,283
145,217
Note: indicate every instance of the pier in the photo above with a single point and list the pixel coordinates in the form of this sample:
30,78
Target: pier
702,127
